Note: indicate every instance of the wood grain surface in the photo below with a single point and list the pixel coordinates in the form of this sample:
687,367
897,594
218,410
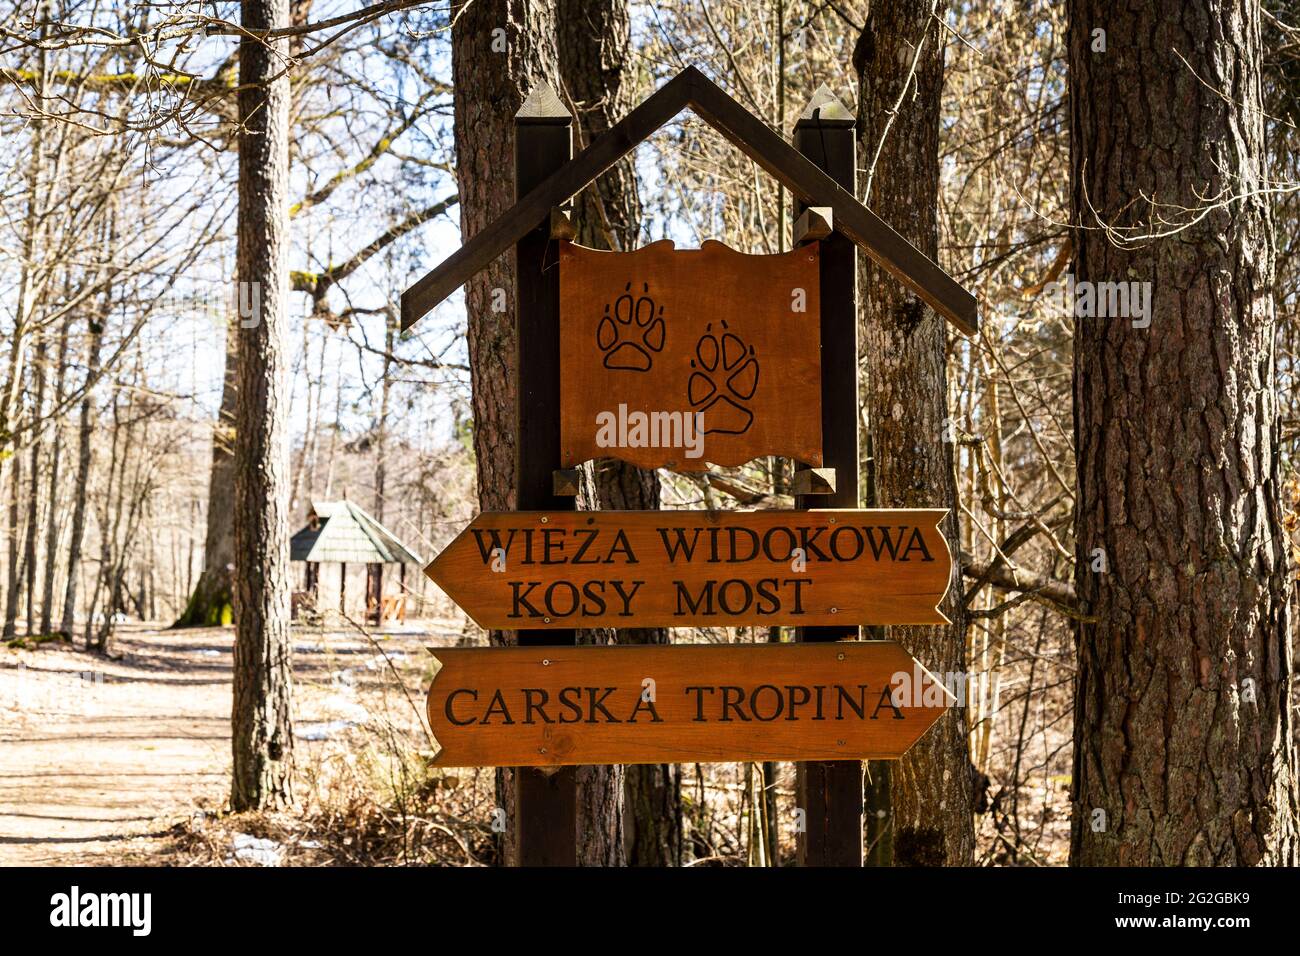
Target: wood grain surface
537,570
653,337
683,703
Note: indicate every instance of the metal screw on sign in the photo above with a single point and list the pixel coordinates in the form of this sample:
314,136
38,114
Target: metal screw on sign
839,656
546,662
835,610
544,519
546,620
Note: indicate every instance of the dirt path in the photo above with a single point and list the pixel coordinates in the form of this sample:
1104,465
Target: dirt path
98,757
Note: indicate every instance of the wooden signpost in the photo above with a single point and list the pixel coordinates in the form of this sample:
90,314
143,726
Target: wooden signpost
557,706
623,355
540,570
686,358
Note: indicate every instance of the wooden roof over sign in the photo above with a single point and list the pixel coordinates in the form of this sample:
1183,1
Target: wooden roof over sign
341,532
692,89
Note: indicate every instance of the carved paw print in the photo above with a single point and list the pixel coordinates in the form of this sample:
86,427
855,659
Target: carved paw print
724,380
633,333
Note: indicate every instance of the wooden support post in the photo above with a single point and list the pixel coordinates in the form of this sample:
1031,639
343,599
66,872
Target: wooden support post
546,802
401,592
830,792
343,587
374,593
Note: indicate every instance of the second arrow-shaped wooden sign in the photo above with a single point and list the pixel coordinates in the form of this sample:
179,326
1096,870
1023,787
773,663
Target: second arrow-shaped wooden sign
682,703
533,570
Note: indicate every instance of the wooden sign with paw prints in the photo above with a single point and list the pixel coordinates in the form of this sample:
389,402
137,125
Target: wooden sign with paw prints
686,358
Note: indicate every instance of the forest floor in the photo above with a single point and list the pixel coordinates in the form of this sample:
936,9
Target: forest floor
125,760
103,758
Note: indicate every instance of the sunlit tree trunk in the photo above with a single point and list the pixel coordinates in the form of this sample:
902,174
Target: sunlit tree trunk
261,714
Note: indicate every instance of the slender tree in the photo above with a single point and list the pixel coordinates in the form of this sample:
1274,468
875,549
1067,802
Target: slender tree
56,460
626,815
261,714
1184,749
899,61
499,49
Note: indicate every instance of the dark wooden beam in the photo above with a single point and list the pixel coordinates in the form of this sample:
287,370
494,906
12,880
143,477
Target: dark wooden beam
813,187
553,191
692,89
830,791
546,802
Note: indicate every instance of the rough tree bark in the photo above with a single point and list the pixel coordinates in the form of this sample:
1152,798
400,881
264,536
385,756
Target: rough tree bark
34,483
211,601
905,395
627,815
499,48
261,714
85,450
1183,744
56,457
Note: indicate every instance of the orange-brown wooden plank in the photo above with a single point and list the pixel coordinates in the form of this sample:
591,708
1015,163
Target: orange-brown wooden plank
683,703
532,569
680,358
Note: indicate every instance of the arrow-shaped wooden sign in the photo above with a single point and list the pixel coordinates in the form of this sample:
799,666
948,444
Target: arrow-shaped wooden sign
683,703
525,569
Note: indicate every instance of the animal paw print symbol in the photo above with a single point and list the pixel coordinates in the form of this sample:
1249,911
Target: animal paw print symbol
724,380
634,332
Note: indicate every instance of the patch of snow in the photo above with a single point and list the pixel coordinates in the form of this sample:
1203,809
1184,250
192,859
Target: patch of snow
251,849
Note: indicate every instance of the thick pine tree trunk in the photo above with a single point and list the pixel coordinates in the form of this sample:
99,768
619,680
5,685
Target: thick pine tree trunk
626,814
499,48
905,392
1183,746
261,718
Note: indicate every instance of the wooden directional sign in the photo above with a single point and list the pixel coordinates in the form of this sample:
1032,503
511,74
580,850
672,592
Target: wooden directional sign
530,569
678,358
683,703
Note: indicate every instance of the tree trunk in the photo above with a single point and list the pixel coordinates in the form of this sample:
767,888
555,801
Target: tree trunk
84,454
498,49
263,677
211,601
626,814
56,458
12,591
34,483
1183,747
903,353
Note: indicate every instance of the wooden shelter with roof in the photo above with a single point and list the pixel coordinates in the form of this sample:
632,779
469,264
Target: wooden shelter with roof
343,533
